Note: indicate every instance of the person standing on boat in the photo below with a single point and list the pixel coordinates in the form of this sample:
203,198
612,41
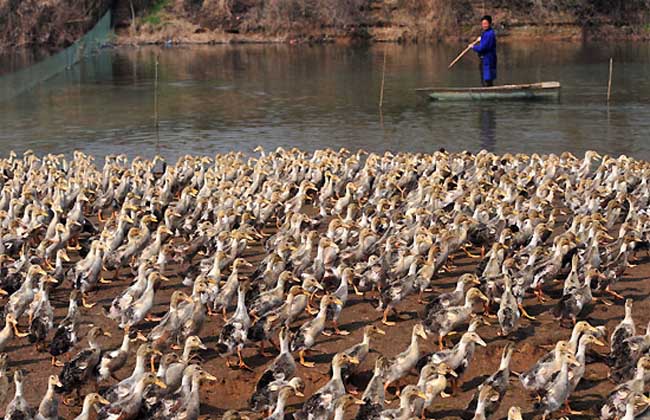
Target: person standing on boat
487,52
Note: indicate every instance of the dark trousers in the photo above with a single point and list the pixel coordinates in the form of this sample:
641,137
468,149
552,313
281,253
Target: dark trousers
484,83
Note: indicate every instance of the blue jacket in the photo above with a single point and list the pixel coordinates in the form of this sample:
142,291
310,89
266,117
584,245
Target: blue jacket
487,51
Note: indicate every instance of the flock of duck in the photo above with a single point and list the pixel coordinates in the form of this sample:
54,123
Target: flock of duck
332,227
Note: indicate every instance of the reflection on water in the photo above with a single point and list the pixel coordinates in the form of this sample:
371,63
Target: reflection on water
220,98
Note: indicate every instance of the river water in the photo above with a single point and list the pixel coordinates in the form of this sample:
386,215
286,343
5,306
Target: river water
213,99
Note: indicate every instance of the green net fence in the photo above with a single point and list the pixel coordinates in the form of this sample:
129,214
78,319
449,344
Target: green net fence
14,84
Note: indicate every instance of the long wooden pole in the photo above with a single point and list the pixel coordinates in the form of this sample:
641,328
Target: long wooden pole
609,82
383,78
469,47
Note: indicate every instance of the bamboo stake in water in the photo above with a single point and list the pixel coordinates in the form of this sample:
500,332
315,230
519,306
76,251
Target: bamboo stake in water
383,78
609,83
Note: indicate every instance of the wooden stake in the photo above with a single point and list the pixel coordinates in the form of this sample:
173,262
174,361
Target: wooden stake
383,78
609,83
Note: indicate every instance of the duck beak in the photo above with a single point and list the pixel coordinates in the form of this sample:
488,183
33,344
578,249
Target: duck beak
203,346
58,383
108,334
299,394
209,377
422,334
359,402
52,280
3,292
160,383
453,373
354,360
599,343
102,400
381,332
480,342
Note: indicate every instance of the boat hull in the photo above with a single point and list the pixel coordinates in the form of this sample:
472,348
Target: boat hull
534,91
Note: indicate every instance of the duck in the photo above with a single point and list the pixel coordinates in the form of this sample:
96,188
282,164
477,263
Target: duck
170,325
361,350
81,368
126,297
487,396
48,409
65,335
128,407
397,291
341,292
557,392
539,374
18,407
404,411
234,334
499,381
453,298
624,362
624,330
112,361
125,386
21,298
283,367
284,394
139,309
573,302
229,289
90,401
614,406
401,364
459,357
9,331
41,314
514,413
86,278
373,396
577,372
4,379
174,374
508,313
321,404
444,321
432,382
268,301
305,337
342,404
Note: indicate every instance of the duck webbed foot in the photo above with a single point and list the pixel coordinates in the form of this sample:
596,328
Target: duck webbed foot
609,291
385,320
242,364
524,313
84,301
303,362
469,254
56,362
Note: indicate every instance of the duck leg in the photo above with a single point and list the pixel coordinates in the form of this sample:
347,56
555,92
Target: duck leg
609,291
469,254
339,331
242,364
524,313
441,339
540,294
385,320
85,303
568,410
56,362
302,360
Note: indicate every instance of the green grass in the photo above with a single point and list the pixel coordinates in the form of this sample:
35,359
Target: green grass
153,18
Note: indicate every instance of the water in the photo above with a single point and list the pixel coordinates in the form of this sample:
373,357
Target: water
219,98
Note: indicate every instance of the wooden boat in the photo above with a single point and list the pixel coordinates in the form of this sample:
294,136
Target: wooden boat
531,91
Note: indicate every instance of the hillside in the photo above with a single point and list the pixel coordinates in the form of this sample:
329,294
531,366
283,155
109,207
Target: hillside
57,23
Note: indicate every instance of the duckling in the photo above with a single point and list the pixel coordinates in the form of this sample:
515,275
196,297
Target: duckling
139,309
125,386
234,334
444,321
558,391
487,395
624,330
10,329
305,337
459,357
49,407
18,407
112,361
454,298
321,404
128,407
361,350
397,291
508,313
91,400
21,298
432,382
514,413
283,395
499,381
614,406
572,303
537,376
402,364
341,292
65,336
81,368
170,325
174,374
41,314
227,292
4,380
404,411
282,368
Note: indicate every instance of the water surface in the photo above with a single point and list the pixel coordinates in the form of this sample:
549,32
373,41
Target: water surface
218,98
